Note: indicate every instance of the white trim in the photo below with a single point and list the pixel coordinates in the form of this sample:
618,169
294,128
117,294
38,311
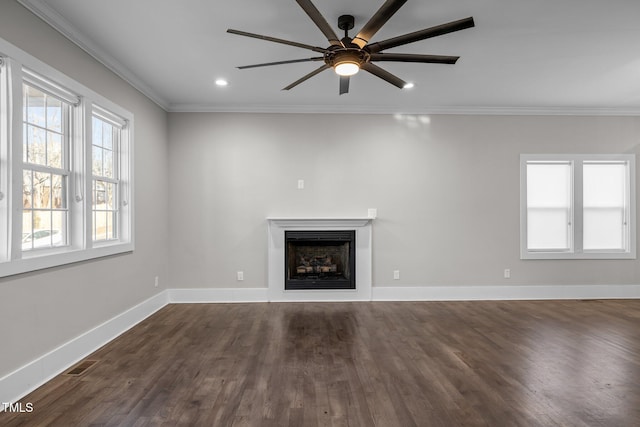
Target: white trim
24,380
275,258
368,109
292,222
6,127
425,293
48,259
496,293
217,295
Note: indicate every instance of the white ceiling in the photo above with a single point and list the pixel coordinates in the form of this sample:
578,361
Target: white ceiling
523,56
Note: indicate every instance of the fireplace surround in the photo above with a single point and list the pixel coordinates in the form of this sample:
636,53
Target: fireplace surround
360,290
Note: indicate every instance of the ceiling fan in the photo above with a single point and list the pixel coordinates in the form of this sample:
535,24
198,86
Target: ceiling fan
349,55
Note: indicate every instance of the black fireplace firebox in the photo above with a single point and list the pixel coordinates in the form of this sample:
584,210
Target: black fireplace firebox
320,259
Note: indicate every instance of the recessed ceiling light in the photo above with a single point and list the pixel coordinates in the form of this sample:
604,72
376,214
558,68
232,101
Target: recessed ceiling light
222,82
408,86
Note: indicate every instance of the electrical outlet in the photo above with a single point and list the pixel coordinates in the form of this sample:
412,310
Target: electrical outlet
301,184
396,274
507,273
155,285
240,276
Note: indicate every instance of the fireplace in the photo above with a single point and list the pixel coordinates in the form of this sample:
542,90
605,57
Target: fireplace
320,259
276,258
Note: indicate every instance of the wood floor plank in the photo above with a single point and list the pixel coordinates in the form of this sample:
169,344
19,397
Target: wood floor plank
489,363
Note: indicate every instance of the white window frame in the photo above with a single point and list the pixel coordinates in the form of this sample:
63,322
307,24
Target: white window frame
4,155
576,251
16,67
122,171
66,169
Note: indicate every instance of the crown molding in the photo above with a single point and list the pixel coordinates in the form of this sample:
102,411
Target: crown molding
64,27
434,110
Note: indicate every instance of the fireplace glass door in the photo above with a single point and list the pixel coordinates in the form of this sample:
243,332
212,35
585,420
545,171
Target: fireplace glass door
320,259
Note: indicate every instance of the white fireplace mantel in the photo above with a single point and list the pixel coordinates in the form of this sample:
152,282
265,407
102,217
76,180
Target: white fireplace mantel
275,263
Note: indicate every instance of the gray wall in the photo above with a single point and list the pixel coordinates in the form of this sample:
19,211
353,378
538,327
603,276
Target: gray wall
446,189
41,311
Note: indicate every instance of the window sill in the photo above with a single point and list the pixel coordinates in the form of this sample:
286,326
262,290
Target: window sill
49,260
576,255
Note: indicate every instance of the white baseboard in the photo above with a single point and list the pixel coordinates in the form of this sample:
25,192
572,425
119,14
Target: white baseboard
423,293
514,292
32,375
219,295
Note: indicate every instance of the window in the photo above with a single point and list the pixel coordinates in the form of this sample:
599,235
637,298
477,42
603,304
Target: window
45,170
577,206
105,181
65,168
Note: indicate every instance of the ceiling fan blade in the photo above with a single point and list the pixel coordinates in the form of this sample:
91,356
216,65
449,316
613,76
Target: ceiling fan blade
438,30
383,74
344,84
308,76
276,40
292,61
386,11
320,22
409,57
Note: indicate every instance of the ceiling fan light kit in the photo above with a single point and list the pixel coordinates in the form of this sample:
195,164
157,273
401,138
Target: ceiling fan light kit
349,55
346,68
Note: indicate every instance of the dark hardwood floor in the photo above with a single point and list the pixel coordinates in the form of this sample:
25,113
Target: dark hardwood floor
507,363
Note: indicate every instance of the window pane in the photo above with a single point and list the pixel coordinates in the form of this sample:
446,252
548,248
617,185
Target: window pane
36,145
604,229
604,184
604,195
99,195
549,185
43,229
97,132
111,221
54,114
58,198
96,168
100,224
109,196
108,163
27,189
27,228
548,206
93,228
54,150
41,190
58,228
548,229
35,103
107,136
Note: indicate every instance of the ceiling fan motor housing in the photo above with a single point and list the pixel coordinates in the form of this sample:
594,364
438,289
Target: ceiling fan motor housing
342,55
